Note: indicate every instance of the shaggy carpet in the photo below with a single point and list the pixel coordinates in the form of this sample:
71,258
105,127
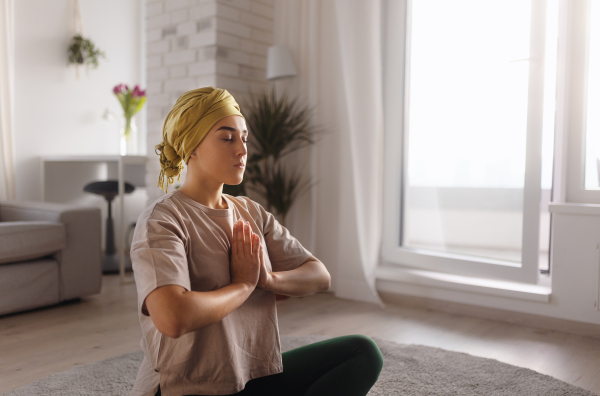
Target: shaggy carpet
407,370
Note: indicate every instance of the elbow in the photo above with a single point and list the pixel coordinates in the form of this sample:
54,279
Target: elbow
167,308
325,277
172,332
326,283
170,327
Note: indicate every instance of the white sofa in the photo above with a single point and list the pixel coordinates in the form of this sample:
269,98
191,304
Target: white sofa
49,253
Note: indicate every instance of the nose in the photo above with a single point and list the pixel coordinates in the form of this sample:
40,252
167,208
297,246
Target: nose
242,147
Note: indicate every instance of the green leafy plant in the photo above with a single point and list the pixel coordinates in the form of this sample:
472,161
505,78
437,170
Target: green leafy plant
277,127
83,51
281,190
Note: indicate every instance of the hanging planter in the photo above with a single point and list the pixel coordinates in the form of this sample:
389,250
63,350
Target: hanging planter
83,51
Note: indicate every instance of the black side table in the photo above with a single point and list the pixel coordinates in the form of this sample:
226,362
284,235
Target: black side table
110,189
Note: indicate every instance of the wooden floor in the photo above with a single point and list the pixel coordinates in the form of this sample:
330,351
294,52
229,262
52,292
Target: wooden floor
37,343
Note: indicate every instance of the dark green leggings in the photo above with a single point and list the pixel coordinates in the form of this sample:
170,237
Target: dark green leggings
347,365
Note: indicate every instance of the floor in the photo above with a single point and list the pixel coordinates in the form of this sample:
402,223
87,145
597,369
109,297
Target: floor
38,343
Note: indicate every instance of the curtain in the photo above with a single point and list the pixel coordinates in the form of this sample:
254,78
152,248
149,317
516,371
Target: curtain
359,30
7,59
336,46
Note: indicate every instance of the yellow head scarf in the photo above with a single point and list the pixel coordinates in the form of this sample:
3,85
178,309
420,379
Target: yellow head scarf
188,122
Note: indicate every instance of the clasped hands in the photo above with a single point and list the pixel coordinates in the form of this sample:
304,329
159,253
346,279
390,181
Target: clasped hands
247,264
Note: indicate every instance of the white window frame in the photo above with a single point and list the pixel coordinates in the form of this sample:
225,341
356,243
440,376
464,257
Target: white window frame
574,112
396,94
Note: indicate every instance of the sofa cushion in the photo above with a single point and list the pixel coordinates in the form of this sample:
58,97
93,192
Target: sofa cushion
28,285
28,240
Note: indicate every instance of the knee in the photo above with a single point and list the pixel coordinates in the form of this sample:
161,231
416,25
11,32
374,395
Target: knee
368,349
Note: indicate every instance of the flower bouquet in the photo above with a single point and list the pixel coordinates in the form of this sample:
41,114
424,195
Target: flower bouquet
132,101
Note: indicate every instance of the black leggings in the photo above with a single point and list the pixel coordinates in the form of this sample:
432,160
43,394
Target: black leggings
347,365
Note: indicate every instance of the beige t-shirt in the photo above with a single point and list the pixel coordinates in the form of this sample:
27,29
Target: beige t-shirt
178,241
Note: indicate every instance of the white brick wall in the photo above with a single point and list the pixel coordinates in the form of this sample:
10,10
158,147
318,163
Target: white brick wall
199,43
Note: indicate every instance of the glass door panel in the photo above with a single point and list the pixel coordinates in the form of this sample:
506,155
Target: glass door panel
592,128
467,127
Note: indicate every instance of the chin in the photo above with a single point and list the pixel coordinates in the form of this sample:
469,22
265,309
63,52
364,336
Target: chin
235,181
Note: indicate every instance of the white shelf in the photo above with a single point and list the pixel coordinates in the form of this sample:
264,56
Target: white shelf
122,163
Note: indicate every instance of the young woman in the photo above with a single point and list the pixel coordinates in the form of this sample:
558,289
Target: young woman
207,265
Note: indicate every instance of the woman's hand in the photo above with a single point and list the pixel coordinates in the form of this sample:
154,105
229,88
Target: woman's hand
246,255
265,278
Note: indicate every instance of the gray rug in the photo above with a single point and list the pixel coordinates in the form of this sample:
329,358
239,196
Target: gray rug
407,370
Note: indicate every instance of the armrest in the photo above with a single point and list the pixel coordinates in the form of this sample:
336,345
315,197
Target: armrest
80,263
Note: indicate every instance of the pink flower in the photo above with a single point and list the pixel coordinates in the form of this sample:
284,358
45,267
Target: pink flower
138,92
117,89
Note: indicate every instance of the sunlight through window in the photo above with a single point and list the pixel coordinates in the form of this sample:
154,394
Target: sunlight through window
467,124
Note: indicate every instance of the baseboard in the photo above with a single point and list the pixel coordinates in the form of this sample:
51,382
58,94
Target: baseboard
500,315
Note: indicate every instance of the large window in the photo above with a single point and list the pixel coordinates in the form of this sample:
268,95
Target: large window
576,179
476,136
592,128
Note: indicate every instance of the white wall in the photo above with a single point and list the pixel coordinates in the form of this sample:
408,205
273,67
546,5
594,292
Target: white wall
54,112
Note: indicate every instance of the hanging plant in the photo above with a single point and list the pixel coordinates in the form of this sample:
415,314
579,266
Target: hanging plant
83,51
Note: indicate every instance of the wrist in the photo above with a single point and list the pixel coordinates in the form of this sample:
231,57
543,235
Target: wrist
271,283
246,287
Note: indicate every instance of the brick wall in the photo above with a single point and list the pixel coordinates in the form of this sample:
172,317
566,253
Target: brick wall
197,43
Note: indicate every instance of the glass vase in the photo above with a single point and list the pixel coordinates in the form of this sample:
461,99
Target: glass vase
128,135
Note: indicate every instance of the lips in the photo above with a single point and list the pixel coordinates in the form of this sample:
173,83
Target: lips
239,165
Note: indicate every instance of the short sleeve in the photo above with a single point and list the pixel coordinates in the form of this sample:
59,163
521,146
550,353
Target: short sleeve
158,255
285,252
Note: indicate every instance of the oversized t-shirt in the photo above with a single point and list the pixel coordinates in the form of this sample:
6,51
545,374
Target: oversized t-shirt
178,241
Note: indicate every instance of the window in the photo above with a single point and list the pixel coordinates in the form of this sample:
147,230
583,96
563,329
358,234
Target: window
592,125
476,136
578,117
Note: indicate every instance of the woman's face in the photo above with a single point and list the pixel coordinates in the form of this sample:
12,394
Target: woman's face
221,150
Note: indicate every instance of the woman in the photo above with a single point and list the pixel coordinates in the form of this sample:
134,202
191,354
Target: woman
206,268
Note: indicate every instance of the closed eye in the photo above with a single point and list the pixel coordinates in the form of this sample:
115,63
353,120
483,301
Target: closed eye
231,140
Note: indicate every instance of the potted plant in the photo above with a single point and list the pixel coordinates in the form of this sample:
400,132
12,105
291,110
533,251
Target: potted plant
83,51
278,127
132,101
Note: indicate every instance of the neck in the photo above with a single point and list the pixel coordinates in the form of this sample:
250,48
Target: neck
205,193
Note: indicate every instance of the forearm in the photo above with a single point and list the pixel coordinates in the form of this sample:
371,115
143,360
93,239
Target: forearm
310,278
202,309
185,311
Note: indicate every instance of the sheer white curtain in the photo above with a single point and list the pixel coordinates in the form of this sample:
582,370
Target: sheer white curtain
359,27
336,46
7,59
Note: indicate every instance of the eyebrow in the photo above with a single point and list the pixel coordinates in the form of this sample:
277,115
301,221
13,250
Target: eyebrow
231,129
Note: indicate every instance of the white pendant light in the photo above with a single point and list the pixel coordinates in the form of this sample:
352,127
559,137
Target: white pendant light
280,63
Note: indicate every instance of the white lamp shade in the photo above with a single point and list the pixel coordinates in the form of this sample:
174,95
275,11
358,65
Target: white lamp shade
279,63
